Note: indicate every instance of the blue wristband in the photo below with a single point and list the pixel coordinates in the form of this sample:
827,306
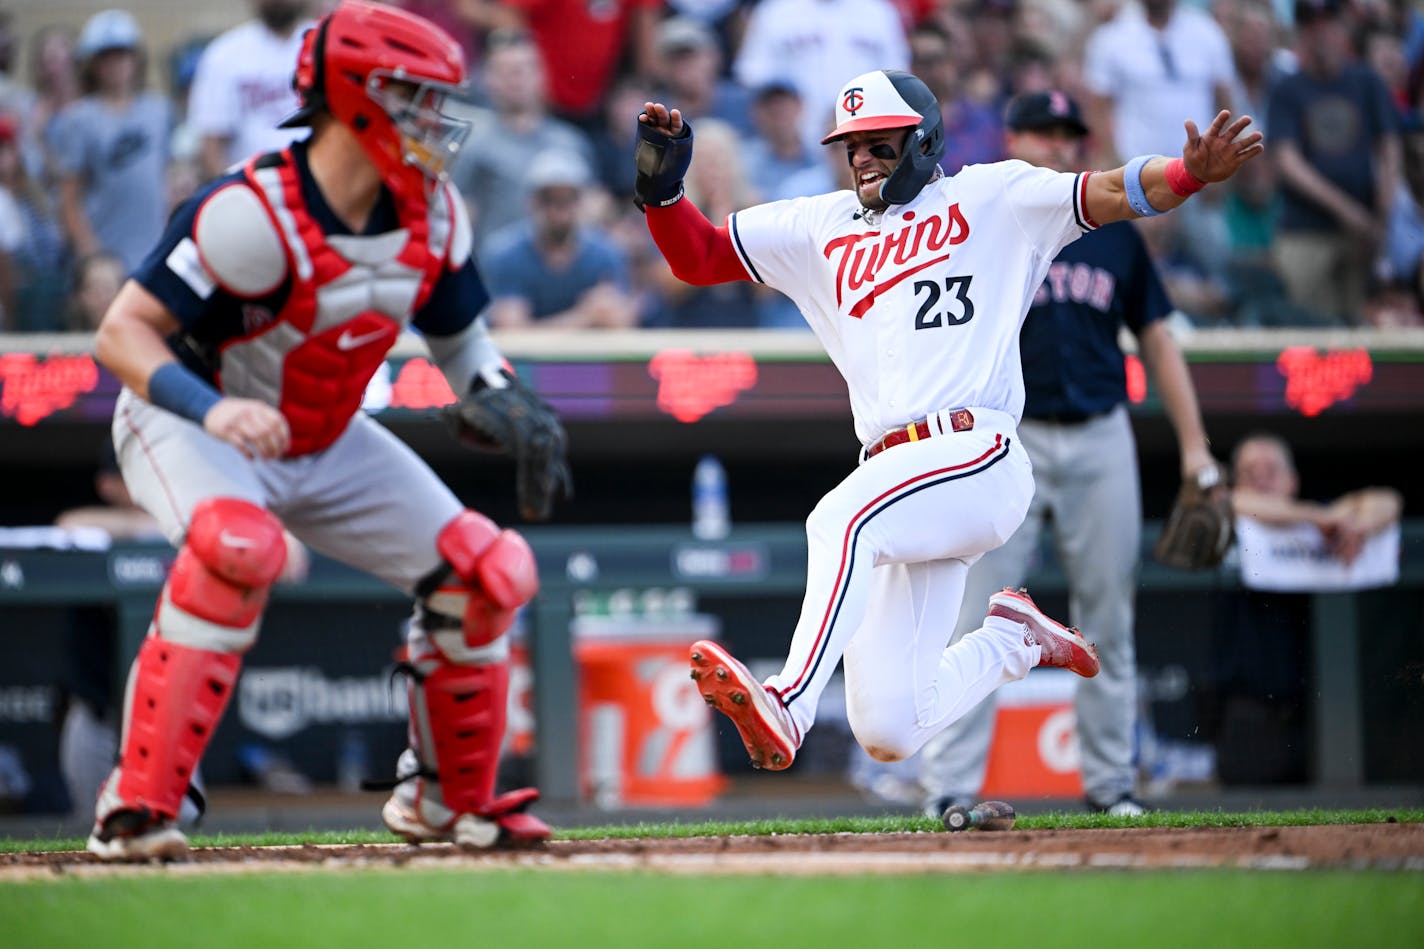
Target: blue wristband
1132,181
176,388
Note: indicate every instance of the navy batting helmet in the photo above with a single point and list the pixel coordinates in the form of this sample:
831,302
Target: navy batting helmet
891,99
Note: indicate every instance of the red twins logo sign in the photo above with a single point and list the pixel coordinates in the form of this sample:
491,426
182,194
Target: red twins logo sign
853,99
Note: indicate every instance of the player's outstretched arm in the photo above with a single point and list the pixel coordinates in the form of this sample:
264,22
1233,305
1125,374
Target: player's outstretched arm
698,252
1150,184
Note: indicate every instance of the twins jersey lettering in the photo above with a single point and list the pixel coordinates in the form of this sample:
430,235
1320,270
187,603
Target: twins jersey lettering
919,307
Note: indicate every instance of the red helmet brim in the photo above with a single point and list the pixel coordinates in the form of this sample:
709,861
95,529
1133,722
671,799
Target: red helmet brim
872,123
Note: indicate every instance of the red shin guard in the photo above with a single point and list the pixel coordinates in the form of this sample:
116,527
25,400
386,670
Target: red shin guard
464,711
178,694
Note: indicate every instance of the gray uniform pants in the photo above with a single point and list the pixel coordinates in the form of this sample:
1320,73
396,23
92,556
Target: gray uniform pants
1086,485
368,500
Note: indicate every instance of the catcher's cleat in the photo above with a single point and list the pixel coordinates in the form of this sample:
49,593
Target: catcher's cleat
506,824
1062,647
728,686
137,835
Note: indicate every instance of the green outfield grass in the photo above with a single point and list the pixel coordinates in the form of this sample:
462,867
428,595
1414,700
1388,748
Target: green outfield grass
855,825
516,908
443,908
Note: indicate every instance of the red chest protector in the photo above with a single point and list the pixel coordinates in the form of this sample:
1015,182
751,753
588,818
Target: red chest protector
350,298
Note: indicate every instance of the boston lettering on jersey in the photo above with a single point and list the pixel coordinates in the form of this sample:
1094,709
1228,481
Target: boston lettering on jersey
862,259
1077,282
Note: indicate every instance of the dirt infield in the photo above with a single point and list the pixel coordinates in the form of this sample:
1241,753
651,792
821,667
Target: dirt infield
1386,846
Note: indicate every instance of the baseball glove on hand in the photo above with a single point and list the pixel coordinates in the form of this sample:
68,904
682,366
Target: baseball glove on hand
1200,528
513,421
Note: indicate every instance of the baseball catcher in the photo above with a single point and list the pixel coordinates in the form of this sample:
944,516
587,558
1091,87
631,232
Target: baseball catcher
245,342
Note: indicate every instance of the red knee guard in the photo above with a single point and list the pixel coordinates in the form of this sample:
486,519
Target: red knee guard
457,719
233,554
177,695
497,573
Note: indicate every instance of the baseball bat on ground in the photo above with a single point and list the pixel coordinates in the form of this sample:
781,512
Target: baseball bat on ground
986,815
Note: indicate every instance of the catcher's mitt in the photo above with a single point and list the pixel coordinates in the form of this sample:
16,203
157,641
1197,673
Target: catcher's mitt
512,420
1200,528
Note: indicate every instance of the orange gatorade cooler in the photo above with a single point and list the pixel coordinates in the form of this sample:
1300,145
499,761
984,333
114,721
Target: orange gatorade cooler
1035,747
645,735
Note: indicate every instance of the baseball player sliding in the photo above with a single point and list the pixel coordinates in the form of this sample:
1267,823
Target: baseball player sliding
916,284
245,342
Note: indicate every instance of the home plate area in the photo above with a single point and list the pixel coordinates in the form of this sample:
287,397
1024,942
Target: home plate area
1386,846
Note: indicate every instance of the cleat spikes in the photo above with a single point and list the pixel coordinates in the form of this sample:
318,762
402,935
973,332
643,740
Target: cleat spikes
763,723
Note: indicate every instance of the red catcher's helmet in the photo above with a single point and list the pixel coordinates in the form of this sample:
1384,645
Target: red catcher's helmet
385,74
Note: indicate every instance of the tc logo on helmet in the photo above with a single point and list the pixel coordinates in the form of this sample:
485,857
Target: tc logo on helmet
854,99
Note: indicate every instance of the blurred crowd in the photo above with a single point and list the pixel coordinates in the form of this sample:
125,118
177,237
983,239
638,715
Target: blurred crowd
101,136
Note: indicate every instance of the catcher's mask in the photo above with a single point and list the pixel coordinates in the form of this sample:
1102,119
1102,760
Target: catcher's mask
385,74
892,99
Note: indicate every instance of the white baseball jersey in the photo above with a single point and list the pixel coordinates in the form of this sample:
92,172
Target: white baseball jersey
919,307
243,87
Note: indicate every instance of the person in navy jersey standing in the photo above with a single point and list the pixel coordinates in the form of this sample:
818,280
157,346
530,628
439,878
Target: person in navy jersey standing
1077,433
245,341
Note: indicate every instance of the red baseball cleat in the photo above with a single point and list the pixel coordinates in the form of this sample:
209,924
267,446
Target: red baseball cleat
504,823
728,686
1062,647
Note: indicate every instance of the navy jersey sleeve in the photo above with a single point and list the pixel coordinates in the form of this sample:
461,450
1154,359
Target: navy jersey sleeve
174,273
456,299
209,315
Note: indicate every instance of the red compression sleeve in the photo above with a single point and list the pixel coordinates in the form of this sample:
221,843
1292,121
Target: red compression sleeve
698,252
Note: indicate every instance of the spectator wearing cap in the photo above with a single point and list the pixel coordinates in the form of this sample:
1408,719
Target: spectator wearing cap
32,254
110,146
1337,151
552,271
689,71
242,88
776,153
1147,69
973,132
492,168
